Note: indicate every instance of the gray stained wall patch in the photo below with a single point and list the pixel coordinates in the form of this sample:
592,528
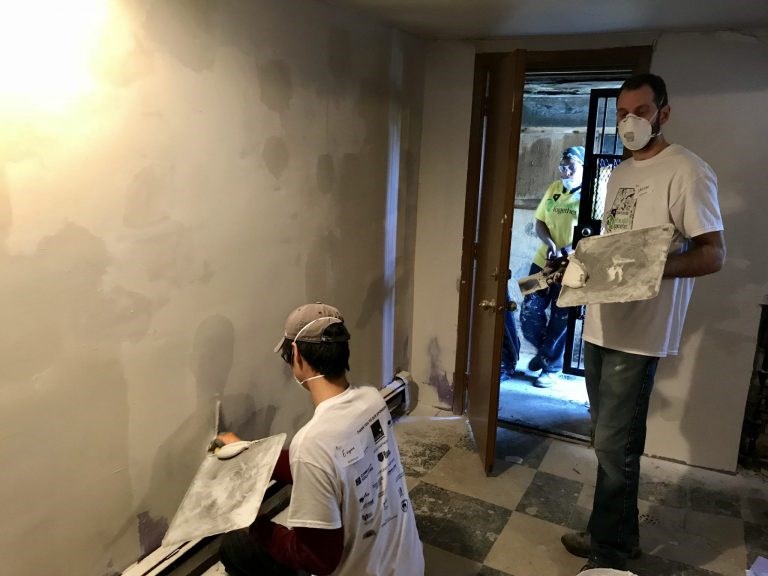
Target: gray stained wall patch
275,85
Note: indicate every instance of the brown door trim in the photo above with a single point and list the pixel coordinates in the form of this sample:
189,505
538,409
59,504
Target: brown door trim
479,103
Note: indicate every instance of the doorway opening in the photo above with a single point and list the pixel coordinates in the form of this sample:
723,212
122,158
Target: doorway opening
495,130
555,118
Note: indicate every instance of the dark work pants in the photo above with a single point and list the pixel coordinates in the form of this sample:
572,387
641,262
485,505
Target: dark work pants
510,351
242,555
619,387
546,334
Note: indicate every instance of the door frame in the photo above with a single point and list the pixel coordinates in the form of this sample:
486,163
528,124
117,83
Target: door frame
637,59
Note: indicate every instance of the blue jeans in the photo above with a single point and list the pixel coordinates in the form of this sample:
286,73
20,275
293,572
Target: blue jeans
547,335
619,387
510,350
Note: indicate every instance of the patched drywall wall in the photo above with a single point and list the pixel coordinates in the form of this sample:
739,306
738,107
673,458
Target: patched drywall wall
718,81
229,161
440,217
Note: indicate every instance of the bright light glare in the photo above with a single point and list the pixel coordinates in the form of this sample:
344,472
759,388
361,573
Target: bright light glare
46,50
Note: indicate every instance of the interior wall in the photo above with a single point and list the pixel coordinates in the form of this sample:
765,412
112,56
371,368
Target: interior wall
440,218
228,162
717,83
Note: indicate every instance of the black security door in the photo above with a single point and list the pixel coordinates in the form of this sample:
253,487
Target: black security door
604,151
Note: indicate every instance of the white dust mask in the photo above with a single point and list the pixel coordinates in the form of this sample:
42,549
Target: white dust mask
635,132
301,382
570,183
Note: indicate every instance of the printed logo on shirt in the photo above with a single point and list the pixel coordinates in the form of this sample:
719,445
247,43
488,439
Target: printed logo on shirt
382,455
404,505
360,479
621,215
369,533
378,431
350,453
363,497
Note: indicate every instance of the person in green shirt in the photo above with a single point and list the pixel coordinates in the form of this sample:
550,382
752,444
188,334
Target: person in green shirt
554,220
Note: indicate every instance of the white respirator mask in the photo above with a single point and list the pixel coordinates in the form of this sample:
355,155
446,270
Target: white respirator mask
635,132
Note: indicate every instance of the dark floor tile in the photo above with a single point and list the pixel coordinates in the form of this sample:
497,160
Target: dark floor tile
551,498
512,445
486,571
649,565
420,457
703,499
578,519
459,524
757,504
756,541
670,494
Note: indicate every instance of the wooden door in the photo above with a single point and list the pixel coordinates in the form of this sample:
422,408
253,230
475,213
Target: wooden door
504,81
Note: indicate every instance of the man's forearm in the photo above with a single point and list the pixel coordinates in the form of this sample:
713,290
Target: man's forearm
707,256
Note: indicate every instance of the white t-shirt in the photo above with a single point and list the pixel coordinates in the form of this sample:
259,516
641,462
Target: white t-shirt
674,187
347,472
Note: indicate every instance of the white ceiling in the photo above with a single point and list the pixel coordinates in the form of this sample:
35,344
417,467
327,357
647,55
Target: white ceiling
478,19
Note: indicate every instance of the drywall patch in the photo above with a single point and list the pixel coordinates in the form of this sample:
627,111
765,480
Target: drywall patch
110,570
326,173
212,352
438,378
6,212
184,29
167,252
130,67
321,271
147,197
275,85
339,52
372,107
120,315
240,415
276,156
151,532
373,302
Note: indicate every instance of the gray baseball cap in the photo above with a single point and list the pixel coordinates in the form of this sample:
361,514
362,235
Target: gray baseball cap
308,322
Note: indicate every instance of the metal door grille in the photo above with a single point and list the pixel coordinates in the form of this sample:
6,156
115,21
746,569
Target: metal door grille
604,151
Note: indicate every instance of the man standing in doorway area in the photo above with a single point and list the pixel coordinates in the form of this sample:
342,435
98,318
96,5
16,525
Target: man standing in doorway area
662,183
350,513
554,220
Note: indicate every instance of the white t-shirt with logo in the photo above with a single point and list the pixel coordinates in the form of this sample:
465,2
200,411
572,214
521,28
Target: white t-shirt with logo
347,472
674,187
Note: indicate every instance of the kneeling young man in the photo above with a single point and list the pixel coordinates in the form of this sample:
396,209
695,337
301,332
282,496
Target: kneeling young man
350,513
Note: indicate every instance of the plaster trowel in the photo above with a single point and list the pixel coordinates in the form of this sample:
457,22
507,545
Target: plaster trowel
221,450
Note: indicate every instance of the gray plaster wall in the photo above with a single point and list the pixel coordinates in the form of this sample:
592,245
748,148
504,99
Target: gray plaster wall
230,162
440,218
718,82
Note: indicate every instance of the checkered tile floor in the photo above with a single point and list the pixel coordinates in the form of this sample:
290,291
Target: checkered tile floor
693,522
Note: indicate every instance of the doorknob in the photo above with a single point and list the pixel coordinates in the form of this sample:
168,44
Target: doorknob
487,304
586,231
511,306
